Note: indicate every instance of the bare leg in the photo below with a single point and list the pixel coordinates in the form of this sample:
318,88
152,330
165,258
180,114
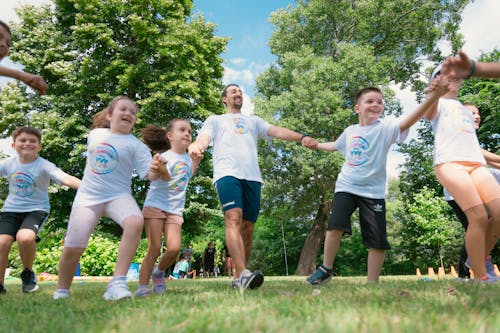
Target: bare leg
67,266
132,229
27,246
233,220
475,238
375,261
173,241
247,235
154,231
493,230
5,245
332,245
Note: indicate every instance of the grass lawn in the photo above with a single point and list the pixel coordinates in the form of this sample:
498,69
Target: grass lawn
282,304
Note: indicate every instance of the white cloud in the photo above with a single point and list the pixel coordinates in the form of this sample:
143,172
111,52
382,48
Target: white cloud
240,77
237,61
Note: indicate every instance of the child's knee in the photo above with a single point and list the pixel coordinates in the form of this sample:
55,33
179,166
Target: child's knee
25,236
133,224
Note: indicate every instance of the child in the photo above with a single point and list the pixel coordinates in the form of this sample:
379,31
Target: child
113,155
165,201
361,182
460,167
27,205
36,82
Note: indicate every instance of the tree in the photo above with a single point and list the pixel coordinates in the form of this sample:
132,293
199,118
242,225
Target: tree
326,51
91,51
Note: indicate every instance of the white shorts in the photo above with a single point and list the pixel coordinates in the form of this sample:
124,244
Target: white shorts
83,220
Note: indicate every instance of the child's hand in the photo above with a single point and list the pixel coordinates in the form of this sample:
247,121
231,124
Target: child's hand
35,82
310,143
439,86
159,166
196,151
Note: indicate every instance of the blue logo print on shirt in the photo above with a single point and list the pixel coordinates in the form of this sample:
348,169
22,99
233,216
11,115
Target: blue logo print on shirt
357,151
21,184
103,158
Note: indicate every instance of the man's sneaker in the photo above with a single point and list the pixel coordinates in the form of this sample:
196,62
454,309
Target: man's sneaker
158,278
117,290
249,280
490,269
322,275
2,289
142,292
29,281
60,294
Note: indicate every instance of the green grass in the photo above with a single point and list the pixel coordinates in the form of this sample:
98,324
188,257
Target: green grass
282,304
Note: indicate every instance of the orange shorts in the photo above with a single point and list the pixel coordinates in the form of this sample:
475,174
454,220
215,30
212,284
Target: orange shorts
470,184
155,213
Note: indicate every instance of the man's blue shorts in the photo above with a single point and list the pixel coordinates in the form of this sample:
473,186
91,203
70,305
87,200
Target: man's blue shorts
239,193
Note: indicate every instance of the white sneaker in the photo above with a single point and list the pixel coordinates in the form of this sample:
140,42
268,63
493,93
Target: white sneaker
117,291
60,294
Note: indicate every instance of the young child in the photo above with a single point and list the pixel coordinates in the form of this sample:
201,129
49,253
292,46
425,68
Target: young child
113,155
27,205
361,182
459,165
165,201
35,82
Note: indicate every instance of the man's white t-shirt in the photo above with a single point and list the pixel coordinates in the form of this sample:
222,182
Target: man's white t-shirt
170,196
365,149
29,183
112,160
234,137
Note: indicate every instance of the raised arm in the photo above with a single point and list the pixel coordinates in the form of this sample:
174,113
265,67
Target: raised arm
428,108
36,82
158,169
463,67
71,181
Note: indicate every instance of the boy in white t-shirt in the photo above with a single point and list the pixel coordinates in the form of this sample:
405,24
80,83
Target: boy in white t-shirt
26,207
361,182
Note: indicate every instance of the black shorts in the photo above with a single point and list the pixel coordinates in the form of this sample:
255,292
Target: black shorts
371,218
12,222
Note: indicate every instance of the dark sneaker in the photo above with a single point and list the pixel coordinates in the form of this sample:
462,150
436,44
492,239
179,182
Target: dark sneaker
29,281
322,275
249,280
2,289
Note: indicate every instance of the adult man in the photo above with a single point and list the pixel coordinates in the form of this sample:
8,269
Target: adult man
237,176
35,82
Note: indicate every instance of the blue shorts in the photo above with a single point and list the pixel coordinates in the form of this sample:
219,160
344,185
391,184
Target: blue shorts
239,193
371,218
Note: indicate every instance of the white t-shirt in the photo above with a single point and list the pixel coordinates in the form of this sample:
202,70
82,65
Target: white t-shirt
29,183
455,138
112,160
234,137
365,149
170,196
494,172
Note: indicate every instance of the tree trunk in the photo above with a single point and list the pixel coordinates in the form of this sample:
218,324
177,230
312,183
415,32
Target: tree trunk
309,253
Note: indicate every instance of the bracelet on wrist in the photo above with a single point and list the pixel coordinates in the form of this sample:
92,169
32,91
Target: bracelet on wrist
472,69
302,138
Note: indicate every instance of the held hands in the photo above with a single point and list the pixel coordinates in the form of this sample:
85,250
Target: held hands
459,67
309,142
439,86
196,151
159,167
36,82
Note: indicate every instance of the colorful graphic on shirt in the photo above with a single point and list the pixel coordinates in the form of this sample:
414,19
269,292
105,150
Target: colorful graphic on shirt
461,119
240,125
21,184
180,172
103,158
357,151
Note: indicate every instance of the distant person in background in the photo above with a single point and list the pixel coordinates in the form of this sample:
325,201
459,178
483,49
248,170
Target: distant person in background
208,260
227,261
188,253
36,82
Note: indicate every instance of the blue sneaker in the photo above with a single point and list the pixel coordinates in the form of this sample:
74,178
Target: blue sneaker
158,277
488,278
142,292
322,275
490,269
